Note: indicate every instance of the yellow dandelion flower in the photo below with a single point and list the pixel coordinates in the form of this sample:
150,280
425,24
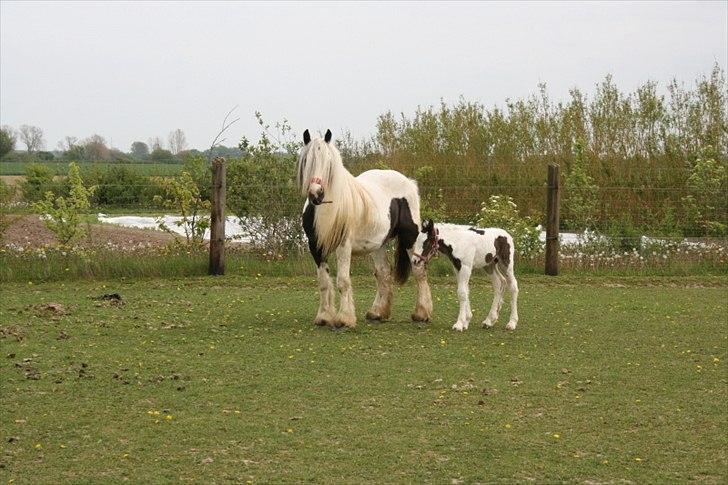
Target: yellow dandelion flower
556,435
38,446
508,426
169,417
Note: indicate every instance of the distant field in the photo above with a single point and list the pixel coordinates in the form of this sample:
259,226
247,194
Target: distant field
61,168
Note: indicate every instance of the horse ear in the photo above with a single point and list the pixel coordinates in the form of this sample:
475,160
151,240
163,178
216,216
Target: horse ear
327,136
306,137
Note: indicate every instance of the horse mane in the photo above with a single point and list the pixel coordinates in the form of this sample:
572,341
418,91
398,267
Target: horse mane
351,205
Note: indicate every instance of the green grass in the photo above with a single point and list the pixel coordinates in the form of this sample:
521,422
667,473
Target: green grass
605,380
61,168
104,264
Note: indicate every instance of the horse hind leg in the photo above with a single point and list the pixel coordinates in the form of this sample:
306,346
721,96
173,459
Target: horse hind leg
326,310
498,287
382,305
513,288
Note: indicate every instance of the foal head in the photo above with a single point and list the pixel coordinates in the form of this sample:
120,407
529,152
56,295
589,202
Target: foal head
317,165
427,243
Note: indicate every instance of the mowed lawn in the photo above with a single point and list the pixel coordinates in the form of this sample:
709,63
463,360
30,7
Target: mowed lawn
226,379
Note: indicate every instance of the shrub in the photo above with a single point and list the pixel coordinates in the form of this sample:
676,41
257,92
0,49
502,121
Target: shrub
38,181
62,215
182,195
706,202
580,203
261,190
6,196
500,211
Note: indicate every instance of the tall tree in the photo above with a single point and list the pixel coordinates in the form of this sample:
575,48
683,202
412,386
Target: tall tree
155,143
140,150
32,137
7,141
96,148
67,143
177,141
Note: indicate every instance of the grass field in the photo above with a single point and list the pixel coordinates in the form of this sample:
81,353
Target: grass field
226,379
61,168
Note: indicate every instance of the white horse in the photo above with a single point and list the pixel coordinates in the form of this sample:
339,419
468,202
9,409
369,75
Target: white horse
346,214
469,248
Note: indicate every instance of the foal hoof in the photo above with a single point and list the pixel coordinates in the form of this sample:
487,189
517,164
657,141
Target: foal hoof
321,322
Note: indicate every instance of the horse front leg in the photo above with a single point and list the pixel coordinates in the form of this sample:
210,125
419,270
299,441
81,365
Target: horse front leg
423,307
346,316
382,306
326,310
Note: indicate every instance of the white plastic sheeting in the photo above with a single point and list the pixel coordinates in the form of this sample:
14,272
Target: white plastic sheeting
232,224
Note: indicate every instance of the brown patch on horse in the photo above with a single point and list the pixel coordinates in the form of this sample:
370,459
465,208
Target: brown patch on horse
503,250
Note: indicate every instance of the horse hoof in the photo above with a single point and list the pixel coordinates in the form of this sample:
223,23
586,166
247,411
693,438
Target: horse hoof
342,328
374,317
321,323
416,317
487,323
511,326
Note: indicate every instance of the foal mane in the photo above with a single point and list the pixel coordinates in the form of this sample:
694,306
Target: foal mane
351,205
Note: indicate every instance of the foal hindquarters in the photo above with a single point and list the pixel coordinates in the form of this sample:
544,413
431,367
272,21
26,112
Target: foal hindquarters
502,277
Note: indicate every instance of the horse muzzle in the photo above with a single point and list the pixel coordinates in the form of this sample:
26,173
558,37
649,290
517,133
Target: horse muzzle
316,198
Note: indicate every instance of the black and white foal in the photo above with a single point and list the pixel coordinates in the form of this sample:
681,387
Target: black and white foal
470,248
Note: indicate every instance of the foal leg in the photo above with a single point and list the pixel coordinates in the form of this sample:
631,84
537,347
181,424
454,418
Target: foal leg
464,298
498,287
423,307
346,316
326,310
513,287
382,305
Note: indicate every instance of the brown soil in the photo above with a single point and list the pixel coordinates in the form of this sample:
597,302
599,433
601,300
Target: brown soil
29,231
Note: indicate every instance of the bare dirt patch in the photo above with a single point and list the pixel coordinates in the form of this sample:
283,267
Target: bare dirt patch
29,231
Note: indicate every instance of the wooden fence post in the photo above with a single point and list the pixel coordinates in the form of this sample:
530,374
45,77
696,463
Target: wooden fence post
217,218
552,221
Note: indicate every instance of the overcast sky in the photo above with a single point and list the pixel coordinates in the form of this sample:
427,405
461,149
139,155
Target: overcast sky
130,71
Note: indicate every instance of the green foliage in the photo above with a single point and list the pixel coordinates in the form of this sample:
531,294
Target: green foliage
432,201
6,197
62,215
261,191
160,155
139,150
707,204
580,203
120,186
182,195
500,211
38,181
7,142
638,139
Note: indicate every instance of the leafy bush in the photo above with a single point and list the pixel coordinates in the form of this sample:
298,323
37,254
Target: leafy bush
6,196
707,203
580,203
38,181
261,192
500,211
182,195
62,215
120,186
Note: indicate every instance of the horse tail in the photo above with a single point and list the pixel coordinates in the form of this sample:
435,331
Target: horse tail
406,232
402,263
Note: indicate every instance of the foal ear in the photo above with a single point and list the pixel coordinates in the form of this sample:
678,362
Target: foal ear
327,136
306,137
427,226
